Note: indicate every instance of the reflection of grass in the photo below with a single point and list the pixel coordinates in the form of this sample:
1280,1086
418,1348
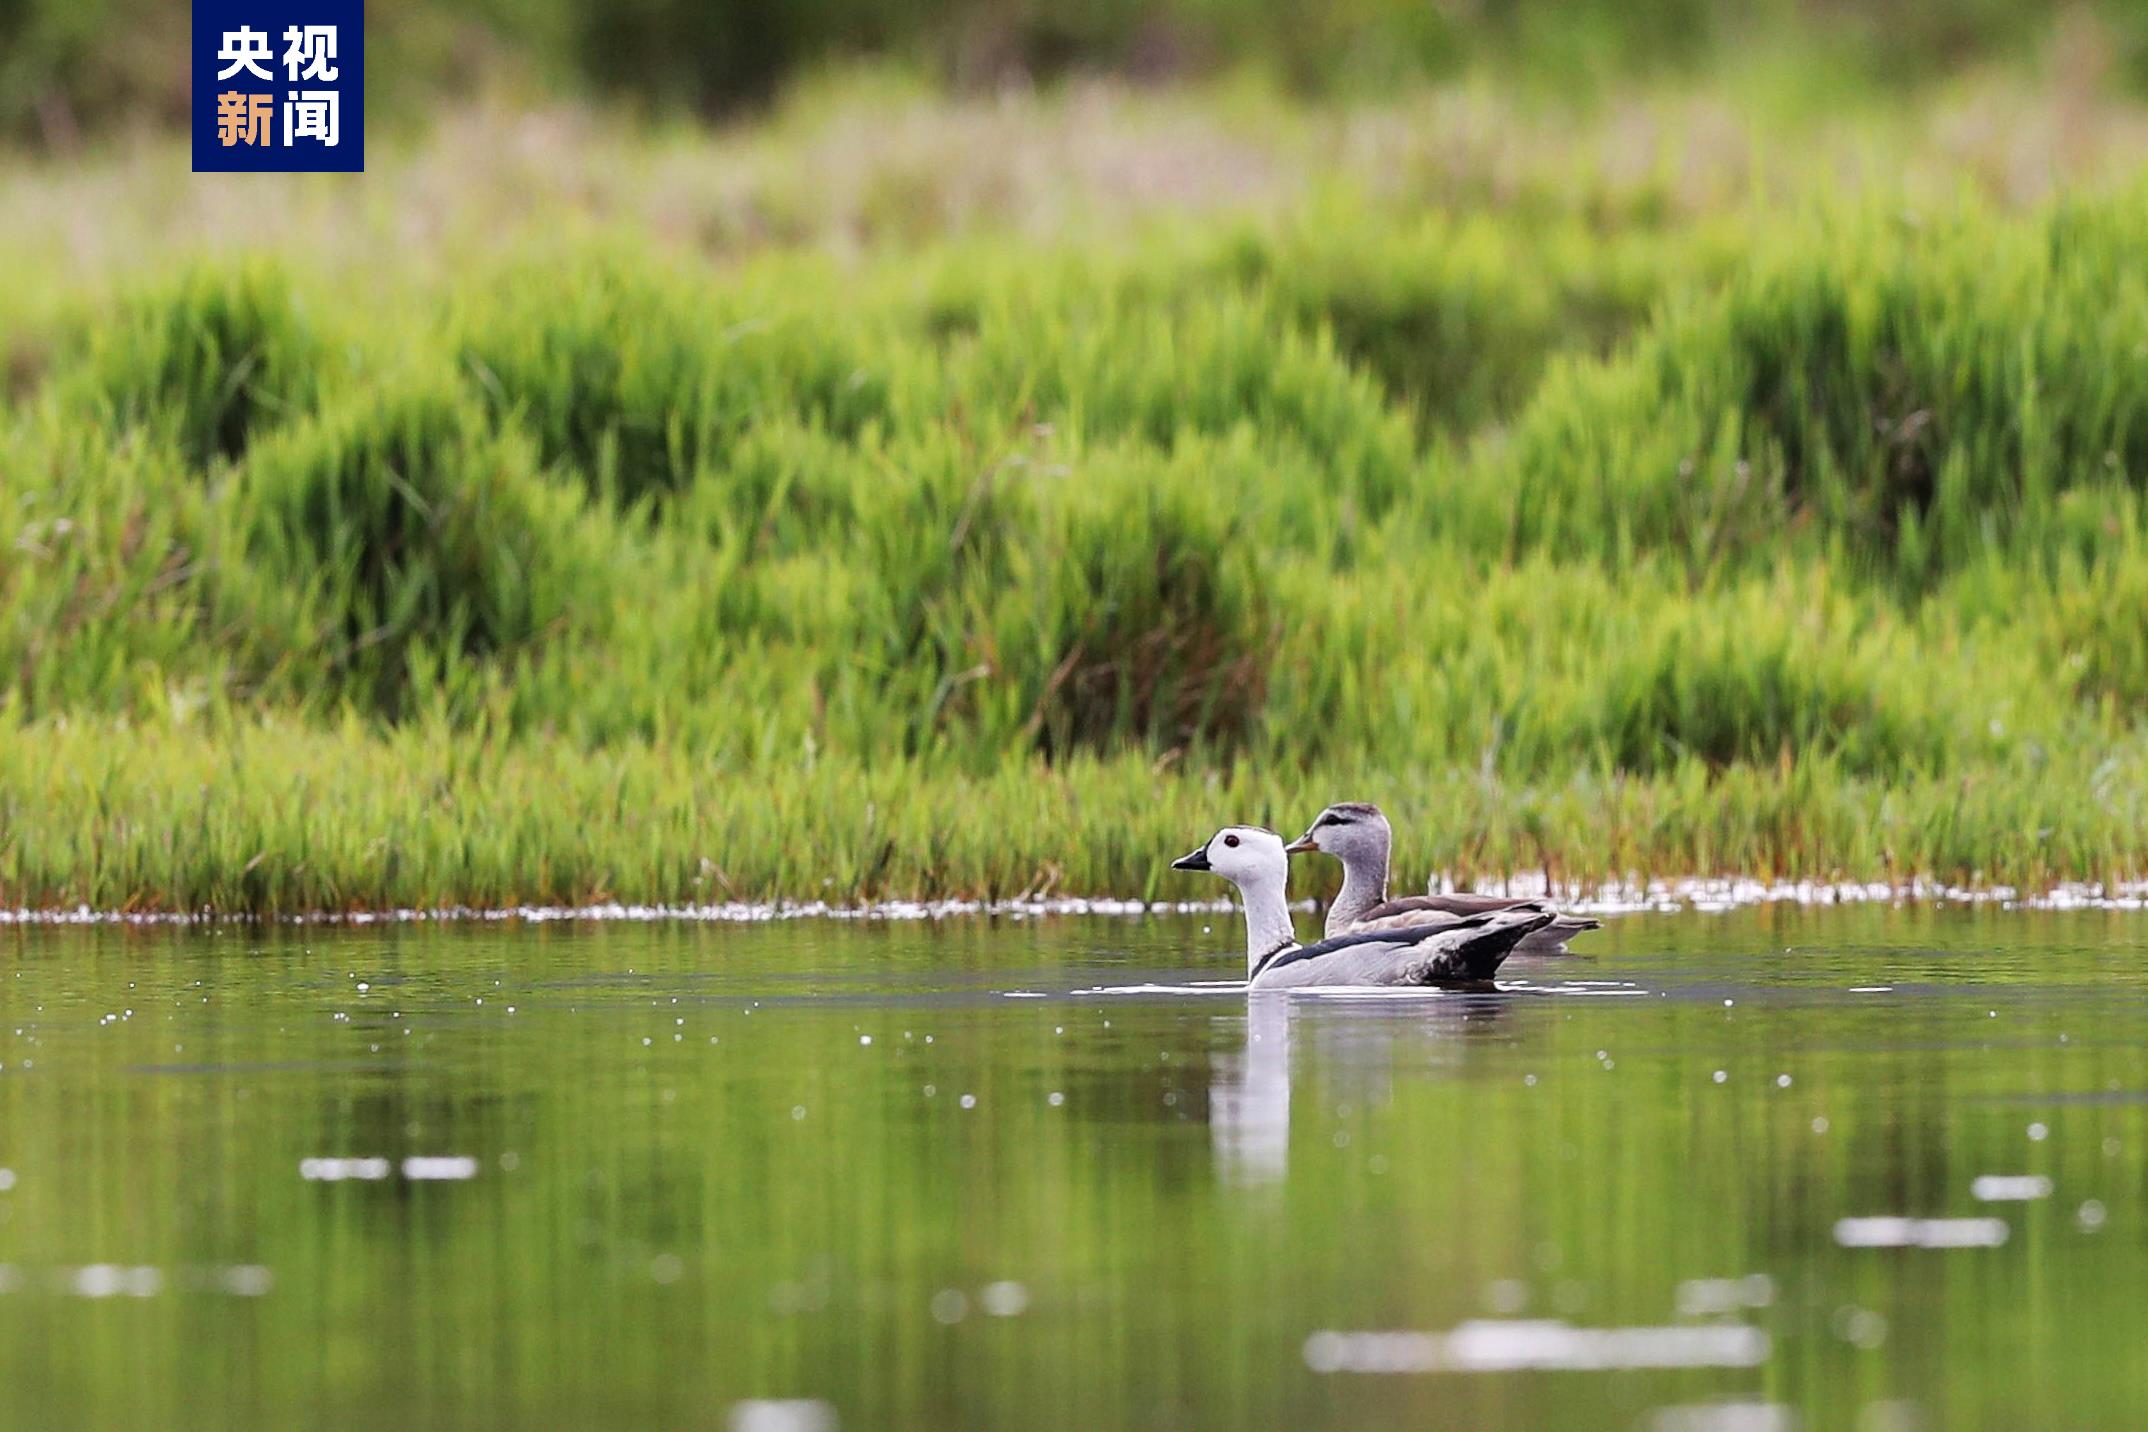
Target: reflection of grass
1634,524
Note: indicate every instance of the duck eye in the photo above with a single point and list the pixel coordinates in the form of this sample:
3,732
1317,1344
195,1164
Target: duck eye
1231,840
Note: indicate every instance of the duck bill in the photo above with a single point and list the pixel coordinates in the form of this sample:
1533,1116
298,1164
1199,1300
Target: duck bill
1193,860
1302,844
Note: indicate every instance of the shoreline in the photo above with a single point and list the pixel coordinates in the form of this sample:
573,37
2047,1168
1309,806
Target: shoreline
1688,895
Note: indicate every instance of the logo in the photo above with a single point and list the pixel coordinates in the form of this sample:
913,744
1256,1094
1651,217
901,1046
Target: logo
279,86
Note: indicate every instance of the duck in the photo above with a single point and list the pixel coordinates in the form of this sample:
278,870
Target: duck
1466,950
1357,834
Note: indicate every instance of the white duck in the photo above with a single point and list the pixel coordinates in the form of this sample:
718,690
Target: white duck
1357,834
1452,951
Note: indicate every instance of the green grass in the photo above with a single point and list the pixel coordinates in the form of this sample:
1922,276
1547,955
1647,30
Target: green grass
279,817
1590,534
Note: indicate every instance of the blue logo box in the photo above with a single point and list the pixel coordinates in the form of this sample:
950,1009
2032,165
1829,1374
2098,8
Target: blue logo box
279,86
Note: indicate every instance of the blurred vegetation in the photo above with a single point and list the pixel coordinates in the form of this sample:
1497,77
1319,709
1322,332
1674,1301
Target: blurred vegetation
908,494
1812,571
70,68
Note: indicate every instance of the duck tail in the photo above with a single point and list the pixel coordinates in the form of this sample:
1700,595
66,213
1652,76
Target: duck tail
1493,937
1551,940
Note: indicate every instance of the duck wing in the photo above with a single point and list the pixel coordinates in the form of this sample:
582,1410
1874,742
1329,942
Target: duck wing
1468,950
1409,911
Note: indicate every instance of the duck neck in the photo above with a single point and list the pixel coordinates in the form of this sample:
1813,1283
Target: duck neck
1268,927
1364,885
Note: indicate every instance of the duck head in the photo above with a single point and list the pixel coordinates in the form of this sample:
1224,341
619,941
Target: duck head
1242,854
1348,830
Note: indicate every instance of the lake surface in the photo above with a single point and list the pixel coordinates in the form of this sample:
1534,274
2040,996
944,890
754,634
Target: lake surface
816,1174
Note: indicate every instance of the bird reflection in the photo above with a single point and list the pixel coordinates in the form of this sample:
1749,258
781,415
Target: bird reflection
1249,1092
1249,1096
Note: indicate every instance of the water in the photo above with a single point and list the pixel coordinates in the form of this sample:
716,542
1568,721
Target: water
1825,1168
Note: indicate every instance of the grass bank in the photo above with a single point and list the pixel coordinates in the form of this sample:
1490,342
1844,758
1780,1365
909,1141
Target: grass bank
1601,529
284,818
